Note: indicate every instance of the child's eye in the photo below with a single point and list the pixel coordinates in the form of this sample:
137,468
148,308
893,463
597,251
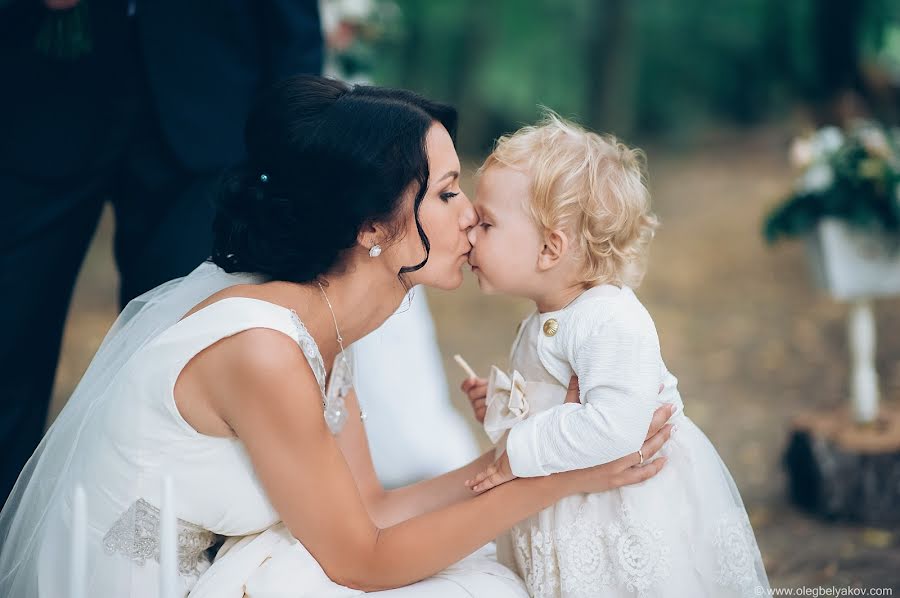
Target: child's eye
484,225
448,195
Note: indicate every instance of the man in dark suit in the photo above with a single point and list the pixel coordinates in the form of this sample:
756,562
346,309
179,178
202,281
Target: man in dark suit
147,119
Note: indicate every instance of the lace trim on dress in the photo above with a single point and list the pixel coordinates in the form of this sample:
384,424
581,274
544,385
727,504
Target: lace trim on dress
737,551
341,379
578,559
585,555
311,351
333,403
136,536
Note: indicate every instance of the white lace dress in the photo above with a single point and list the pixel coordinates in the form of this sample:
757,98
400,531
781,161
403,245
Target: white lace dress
683,533
216,489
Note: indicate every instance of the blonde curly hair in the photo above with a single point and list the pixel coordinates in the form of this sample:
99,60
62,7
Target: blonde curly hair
591,186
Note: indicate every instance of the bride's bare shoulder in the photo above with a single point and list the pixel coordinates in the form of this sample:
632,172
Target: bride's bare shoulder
247,367
251,291
263,370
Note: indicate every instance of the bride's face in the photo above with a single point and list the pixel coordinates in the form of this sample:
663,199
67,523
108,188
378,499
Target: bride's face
446,215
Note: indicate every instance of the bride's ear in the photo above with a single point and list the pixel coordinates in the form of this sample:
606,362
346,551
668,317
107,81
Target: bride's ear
370,235
556,244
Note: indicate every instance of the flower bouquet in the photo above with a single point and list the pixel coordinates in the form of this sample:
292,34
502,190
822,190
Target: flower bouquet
846,202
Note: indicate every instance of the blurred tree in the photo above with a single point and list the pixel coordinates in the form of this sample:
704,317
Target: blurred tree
642,68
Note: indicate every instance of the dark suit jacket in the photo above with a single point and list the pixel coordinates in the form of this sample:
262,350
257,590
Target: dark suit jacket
200,62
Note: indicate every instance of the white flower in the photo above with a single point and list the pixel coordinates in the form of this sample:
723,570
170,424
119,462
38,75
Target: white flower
801,152
818,177
356,10
875,142
827,141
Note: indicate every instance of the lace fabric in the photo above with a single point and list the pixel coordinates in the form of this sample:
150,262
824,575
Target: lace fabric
341,382
311,351
683,533
588,558
136,536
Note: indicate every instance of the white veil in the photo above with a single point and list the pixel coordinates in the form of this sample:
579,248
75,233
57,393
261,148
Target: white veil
34,522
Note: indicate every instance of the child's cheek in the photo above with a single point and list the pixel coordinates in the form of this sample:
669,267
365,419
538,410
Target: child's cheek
482,275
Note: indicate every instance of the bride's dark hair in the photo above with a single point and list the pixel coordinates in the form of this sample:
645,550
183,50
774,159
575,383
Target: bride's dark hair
323,160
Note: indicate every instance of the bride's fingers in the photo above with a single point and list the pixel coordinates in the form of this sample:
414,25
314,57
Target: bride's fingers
635,475
660,417
652,445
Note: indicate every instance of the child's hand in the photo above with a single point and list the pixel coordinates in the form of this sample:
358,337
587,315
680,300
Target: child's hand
572,392
476,390
497,473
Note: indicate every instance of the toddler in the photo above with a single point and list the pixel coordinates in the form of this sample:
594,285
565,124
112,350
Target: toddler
565,221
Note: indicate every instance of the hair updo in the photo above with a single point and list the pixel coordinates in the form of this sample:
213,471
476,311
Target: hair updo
323,160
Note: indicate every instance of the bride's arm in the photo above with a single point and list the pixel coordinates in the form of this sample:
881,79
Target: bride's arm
388,507
270,398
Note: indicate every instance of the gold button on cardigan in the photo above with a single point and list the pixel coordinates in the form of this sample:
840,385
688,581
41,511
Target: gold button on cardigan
551,327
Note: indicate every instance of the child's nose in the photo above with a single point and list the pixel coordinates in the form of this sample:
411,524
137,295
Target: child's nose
470,234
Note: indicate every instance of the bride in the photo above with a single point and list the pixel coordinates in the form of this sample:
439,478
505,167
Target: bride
233,382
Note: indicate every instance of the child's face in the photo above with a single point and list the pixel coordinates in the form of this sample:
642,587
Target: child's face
506,242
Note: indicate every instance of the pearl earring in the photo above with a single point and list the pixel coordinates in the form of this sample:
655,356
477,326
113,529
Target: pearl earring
375,251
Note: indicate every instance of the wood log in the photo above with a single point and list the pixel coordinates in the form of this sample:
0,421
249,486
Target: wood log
841,470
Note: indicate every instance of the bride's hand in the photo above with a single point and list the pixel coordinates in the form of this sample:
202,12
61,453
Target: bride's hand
627,470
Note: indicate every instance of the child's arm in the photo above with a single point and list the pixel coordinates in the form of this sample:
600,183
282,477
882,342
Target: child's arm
618,371
499,471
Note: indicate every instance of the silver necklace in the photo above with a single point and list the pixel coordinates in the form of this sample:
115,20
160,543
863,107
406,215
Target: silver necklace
335,410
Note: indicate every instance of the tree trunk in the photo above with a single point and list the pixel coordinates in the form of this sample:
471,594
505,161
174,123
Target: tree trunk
840,470
611,50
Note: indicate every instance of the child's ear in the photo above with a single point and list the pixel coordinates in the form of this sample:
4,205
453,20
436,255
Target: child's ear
556,244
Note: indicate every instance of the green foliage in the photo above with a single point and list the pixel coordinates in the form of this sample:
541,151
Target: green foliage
857,182
632,67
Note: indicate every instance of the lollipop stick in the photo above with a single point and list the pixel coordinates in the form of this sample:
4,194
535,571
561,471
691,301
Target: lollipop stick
465,366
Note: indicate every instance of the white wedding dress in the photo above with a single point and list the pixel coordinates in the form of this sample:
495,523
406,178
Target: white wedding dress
136,437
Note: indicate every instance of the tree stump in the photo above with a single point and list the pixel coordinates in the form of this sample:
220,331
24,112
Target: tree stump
841,470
